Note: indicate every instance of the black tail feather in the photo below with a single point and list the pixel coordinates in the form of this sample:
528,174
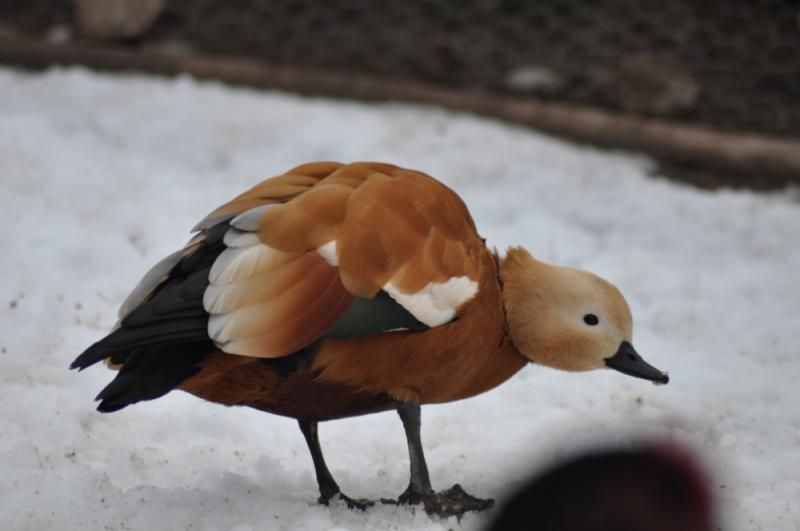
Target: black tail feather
152,372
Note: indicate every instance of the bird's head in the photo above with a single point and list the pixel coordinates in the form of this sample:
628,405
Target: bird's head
569,319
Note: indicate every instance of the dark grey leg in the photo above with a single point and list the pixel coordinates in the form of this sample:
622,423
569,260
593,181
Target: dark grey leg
453,501
328,488
420,482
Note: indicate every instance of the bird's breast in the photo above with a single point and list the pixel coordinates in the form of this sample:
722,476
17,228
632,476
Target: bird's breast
438,365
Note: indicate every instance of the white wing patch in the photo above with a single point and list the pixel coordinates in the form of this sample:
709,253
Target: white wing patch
239,263
328,253
228,286
436,303
233,279
249,219
238,238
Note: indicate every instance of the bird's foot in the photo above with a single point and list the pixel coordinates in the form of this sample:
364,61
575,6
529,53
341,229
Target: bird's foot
451,502
352,503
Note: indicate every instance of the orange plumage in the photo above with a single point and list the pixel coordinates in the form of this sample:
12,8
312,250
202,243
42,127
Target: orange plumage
337,290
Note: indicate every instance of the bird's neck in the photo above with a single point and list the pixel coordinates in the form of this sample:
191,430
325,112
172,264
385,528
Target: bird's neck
526,285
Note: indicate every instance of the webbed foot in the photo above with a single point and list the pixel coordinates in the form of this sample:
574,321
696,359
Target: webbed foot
360,504
454,501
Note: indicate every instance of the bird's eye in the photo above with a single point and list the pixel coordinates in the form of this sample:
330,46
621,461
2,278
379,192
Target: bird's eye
590,319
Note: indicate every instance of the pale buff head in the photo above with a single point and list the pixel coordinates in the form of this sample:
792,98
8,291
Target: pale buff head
569,319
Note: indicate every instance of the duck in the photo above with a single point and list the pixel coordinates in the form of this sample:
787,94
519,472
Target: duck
336,290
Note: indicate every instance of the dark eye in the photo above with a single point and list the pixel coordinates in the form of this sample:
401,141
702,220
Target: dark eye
590,319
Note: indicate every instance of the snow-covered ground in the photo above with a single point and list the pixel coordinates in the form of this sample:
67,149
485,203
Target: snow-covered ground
102,175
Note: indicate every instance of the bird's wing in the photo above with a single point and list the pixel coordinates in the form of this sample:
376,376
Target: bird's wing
324,250
363,229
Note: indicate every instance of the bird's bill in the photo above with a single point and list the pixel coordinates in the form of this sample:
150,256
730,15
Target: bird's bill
628,361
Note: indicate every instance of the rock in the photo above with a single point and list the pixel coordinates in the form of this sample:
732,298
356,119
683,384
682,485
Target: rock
532,77
116,19
642,84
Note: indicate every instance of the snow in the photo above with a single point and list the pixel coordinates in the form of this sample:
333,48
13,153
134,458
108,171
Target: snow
103,175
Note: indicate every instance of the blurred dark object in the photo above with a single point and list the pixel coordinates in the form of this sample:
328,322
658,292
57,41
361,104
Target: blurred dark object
115,19
741,56
652,489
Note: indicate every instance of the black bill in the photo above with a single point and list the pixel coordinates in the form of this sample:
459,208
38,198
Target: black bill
628,361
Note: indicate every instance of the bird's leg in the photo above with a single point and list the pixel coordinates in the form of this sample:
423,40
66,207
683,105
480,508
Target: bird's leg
419,484
453,501
328,488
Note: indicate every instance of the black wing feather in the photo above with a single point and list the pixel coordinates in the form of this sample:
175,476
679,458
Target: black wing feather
151,372
160,342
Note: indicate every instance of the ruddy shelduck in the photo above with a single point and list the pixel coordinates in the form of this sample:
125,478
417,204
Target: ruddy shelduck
336,290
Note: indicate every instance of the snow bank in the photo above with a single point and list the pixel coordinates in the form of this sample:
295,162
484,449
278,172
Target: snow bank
102,176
